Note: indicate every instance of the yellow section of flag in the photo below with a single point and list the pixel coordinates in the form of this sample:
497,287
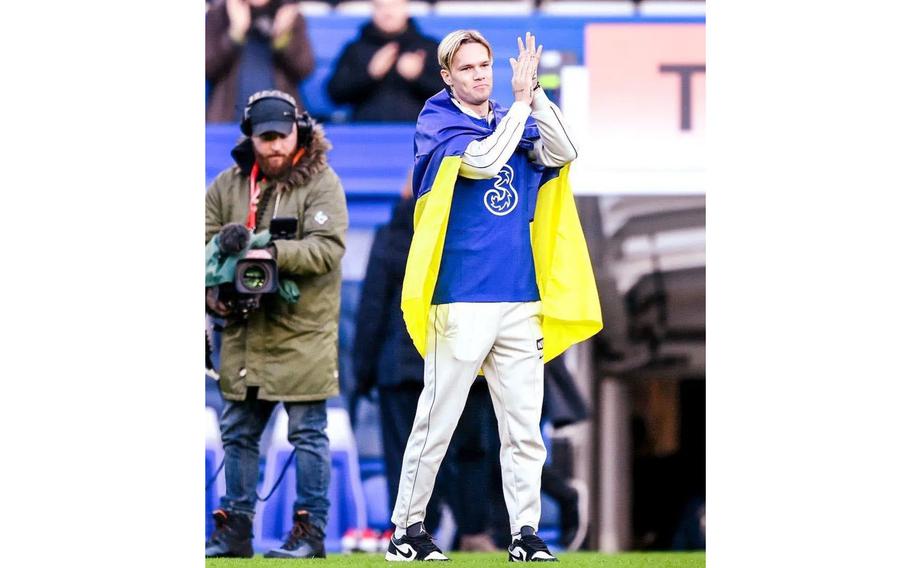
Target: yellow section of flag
565,279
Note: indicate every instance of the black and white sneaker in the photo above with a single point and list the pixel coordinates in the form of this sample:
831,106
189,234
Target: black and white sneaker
528,547
415,544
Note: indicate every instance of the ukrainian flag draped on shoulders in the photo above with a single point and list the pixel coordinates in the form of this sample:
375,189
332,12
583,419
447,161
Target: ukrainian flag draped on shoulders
569,302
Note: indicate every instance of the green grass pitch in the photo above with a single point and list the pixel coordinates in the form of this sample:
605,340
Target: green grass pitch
624,560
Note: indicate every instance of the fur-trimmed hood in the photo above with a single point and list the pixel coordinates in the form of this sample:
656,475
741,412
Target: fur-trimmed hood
314,160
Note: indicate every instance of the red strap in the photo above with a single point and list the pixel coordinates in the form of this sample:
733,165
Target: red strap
254,198
255,190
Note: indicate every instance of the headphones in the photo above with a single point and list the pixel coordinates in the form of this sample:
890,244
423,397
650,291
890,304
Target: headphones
305,123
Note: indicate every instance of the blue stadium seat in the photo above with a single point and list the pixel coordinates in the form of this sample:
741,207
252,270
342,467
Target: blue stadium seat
370,466
214,454
362,179
548,527
379,512
372,187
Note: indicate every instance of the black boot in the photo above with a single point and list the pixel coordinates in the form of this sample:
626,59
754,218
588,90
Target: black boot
306,540
232,537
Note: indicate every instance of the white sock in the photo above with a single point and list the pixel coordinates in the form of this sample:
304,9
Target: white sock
399,532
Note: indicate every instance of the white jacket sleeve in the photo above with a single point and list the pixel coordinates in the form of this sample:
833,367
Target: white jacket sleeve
555,147
484,158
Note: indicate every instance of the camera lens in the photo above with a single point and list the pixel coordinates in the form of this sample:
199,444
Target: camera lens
254,277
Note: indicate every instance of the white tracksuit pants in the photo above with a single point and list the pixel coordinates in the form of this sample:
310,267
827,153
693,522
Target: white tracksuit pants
504,339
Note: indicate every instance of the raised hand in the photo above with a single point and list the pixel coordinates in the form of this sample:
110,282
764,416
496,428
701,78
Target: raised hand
410,64
383,60
239,15
284,19
524,69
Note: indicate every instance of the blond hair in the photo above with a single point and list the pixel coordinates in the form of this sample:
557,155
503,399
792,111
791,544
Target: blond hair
450,44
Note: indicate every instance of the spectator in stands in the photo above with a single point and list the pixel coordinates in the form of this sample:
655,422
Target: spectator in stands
388,72
250,46
478,277
286,349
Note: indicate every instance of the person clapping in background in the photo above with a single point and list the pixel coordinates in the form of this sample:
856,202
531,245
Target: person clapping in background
250,46
389,71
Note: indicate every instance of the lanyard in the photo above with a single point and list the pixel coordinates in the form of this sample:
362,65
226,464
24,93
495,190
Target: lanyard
254,199
255,190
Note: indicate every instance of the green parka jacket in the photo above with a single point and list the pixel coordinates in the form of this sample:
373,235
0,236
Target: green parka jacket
290,351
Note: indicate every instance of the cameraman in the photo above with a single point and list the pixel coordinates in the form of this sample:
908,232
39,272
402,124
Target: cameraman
280,351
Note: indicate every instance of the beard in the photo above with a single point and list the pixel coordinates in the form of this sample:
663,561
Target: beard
272,167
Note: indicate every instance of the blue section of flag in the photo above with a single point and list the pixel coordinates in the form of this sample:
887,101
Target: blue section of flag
487,255
443,130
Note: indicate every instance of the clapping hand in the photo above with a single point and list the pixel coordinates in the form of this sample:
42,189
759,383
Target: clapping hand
284,19
524,69
410,64
383,60
239,15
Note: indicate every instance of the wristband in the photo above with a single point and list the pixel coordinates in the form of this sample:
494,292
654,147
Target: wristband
282,41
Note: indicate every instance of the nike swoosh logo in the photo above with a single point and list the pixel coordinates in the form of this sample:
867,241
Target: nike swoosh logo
408,554
516,553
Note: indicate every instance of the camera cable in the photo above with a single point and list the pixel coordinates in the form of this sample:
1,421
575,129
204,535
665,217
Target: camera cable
284,470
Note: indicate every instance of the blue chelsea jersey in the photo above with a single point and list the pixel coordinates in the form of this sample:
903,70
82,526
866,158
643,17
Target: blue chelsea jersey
487,253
